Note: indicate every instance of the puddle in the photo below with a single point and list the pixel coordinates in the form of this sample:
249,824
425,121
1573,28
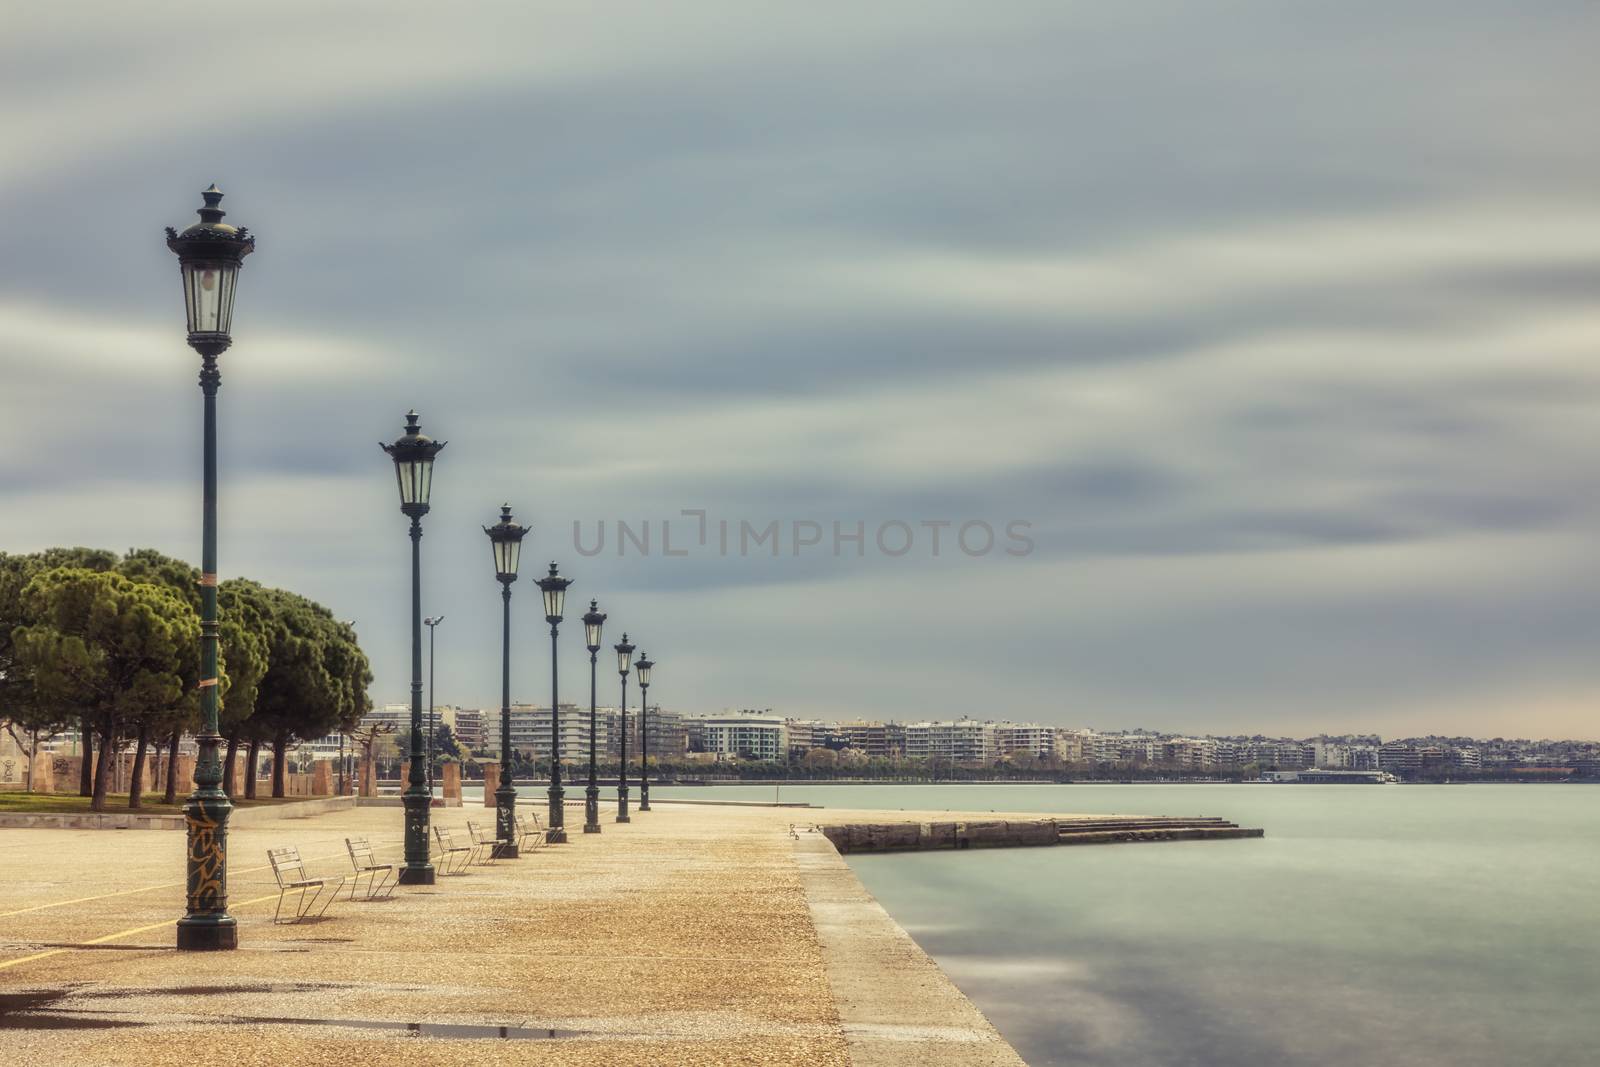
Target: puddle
441,1030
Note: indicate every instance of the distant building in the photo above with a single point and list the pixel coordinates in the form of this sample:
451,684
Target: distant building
469,728
1194,753
761,737
530,732
669,738
1025,739
806,734
874,739
961,741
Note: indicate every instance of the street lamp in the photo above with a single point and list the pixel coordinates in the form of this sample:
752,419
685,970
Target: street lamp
644,666
592,621
413,455
505,537
554,588
432,728
209,253
624,662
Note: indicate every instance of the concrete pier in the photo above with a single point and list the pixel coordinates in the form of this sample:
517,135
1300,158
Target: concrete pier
912,834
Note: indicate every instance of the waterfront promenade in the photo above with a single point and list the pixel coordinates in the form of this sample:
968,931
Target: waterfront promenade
694,935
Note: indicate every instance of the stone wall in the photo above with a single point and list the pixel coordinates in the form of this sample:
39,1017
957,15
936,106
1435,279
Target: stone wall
909,836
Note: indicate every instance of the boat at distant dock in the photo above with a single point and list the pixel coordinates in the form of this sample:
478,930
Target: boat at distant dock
1326,777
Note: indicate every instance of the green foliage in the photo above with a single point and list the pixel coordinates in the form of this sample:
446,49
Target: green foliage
103,644
115,652
316,673
86,635
244,649
16,683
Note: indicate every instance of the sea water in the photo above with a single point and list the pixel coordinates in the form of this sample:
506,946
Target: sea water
1384,925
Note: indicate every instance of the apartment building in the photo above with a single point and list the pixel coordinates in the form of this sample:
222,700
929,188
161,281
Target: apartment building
876,739
1026,739
469,728
762,737
963,741
530,732
667,733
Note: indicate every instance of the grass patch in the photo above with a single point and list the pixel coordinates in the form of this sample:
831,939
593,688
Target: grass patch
72,804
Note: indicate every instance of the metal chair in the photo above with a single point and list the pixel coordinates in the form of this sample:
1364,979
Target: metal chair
453,858
488,844
380,876
530,832
290,871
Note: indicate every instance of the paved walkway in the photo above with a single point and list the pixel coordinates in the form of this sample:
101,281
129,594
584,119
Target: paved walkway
685,937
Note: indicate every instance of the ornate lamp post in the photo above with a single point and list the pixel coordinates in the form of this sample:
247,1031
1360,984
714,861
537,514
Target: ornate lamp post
430,623
413,468
554,588
644,666
624,662
505,537
209,253
592,621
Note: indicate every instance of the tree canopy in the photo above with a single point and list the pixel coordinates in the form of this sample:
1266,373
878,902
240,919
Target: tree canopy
111,644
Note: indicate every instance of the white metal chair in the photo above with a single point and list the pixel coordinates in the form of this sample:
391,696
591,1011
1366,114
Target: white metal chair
453,858
380,876
290,871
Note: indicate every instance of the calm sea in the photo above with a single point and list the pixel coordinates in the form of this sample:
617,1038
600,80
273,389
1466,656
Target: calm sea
1382,925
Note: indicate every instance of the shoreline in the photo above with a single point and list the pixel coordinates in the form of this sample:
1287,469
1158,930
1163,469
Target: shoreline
896,1005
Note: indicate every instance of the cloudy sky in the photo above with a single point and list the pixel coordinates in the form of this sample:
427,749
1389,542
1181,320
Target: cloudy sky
1277,323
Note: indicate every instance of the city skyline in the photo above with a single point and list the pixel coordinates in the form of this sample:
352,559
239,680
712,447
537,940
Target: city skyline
1285,358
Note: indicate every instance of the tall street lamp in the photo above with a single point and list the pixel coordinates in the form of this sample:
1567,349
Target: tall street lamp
592,621
505,537
209,253
624,662
554,588
432,727
644,666
413,455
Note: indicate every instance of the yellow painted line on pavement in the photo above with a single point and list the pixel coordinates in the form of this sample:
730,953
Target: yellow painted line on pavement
153,888
116,936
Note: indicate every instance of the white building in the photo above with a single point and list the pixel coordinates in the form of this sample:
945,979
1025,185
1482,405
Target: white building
1027,739
963,741
530,732
761,737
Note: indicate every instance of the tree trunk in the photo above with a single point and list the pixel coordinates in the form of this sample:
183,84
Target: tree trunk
86,771
97,799
136,783
171,795
100,762
228,761
280,753
250,769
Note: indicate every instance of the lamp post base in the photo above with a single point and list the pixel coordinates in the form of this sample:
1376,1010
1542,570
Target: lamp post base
416,875
591,810
507,851
208,935
557,833
622,804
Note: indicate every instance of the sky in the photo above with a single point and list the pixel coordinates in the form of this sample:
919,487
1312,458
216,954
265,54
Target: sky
1263,337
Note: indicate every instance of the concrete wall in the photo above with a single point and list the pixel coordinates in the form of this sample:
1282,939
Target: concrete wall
908,836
